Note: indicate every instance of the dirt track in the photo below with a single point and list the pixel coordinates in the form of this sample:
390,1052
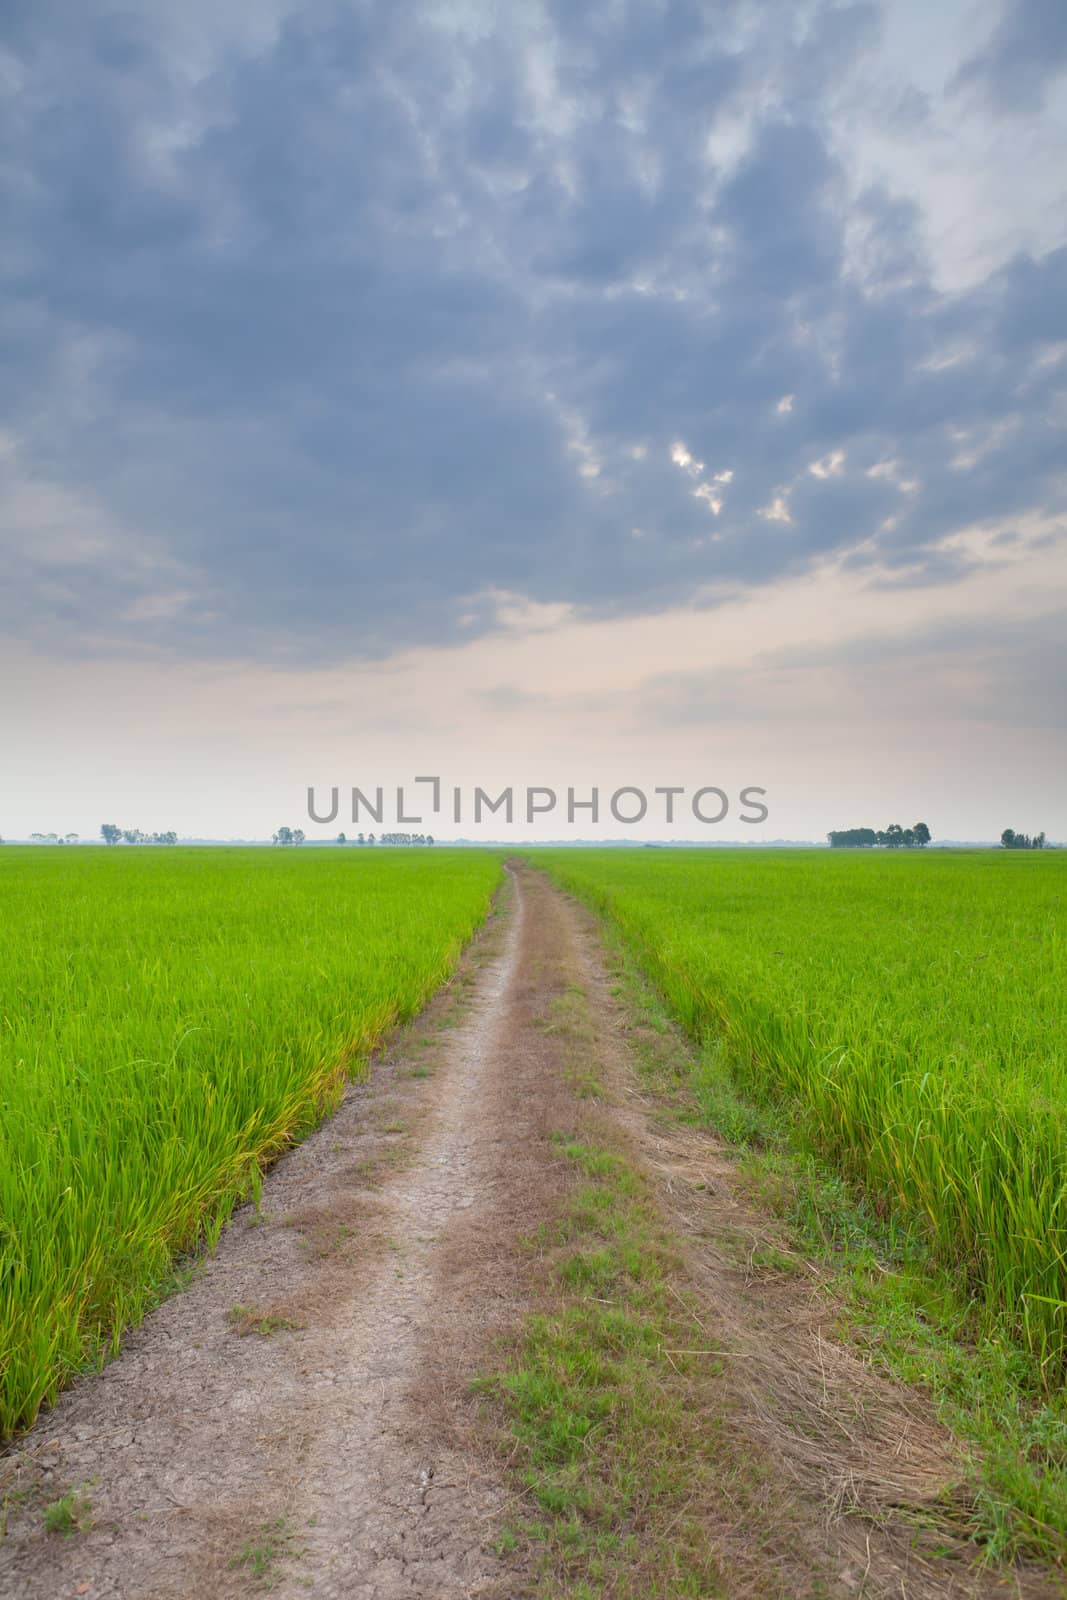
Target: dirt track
313,1381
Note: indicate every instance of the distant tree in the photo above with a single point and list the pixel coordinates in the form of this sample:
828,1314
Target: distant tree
283,836
1022,841
71,838
361,840
341,839
37,837
370,838
299,835
892,838
429,838
110,834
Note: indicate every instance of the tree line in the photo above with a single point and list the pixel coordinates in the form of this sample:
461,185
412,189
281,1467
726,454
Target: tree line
297,836
1022,841
115,835
387,838
892,838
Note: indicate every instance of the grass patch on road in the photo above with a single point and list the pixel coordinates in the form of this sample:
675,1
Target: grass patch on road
271,1542
253,1319
71,1513
611,1398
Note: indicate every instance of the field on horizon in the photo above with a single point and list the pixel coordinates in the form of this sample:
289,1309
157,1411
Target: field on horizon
169,1020
911,1011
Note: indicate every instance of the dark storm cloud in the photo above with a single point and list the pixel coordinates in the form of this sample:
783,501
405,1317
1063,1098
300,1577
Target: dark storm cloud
330,336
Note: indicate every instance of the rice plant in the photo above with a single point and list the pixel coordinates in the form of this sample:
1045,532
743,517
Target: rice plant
911,1008
169,1021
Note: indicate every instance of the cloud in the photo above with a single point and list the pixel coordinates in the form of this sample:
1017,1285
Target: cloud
320,323
990,670
1024,54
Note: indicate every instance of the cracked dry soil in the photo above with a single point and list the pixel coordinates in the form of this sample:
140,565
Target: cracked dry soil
300,1417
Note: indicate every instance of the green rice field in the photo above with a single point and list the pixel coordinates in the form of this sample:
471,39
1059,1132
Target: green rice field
910,1010
169,1020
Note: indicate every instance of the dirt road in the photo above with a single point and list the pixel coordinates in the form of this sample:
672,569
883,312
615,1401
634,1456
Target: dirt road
300,1416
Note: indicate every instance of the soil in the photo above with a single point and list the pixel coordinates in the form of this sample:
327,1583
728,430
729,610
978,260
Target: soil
300,1417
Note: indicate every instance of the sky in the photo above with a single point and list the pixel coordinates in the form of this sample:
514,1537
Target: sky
640,393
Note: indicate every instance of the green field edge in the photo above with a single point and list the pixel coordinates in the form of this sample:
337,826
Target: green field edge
910,1315
177,1252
